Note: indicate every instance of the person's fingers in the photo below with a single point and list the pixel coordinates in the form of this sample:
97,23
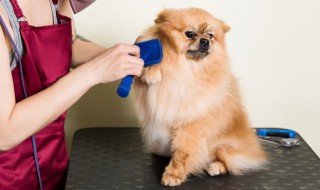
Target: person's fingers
133,65
133,50
135,60
132,71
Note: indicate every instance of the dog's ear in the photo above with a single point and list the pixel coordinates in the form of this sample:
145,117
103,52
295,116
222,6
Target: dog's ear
162,16
224,26
159,19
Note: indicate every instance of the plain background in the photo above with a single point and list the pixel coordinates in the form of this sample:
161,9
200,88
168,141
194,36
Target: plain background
274,47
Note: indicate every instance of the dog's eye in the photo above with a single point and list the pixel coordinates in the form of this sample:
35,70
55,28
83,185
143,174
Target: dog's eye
190,34
211,36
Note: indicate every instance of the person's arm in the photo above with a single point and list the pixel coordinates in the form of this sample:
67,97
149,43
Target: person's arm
18,121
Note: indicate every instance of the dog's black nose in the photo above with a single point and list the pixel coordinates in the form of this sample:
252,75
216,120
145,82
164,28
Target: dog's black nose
204,44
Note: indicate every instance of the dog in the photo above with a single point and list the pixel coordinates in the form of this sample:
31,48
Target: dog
189,105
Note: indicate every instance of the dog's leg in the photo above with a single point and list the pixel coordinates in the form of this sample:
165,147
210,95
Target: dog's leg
151,75
190,155
175,173
235,161
216,168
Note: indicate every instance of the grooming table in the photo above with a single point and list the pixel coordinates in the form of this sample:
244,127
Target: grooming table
115,158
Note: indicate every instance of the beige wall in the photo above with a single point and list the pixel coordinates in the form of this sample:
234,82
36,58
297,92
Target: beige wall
100,107
274,48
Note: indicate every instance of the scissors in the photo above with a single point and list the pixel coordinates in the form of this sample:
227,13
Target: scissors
278,137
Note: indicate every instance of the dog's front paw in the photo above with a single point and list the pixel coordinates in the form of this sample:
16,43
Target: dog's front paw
216,168
171,179
151,75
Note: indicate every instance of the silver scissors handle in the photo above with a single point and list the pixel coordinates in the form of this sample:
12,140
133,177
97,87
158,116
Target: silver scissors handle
281,141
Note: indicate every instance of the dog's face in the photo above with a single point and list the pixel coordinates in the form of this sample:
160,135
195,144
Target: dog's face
192,32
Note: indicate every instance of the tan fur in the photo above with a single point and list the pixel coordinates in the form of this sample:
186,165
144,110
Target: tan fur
191,109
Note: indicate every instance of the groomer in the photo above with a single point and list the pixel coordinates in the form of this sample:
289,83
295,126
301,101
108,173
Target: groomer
37,88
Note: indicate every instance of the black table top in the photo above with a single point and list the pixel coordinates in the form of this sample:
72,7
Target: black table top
115,158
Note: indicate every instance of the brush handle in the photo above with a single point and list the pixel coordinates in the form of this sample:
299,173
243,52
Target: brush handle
125,86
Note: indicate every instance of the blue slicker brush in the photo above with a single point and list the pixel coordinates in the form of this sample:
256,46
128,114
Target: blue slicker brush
151,53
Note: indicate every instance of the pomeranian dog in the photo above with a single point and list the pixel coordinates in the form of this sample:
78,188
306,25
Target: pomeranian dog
189,105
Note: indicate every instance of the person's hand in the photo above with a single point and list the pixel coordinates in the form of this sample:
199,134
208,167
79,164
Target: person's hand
116,63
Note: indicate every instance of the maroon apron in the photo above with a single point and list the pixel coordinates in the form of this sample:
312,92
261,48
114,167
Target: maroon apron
47,58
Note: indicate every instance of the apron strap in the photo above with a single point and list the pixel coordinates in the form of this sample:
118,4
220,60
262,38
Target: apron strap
17,10
55,2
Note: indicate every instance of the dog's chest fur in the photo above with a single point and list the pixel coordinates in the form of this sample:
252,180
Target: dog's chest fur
178,99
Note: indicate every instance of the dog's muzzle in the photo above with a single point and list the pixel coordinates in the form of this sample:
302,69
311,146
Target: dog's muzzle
202,50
